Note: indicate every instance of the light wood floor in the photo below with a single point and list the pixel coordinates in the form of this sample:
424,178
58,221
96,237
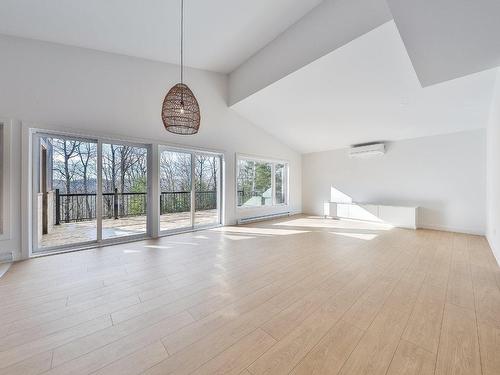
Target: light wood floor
295,296
86,231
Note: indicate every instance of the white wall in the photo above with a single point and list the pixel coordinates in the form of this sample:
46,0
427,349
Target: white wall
493,173
73,89
444,175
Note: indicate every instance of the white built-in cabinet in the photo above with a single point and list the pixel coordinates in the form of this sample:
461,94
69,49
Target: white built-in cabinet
398,216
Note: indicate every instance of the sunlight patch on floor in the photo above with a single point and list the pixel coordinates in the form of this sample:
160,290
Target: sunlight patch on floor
200,237
359,236
262,231
237,237
131,251
183,243
319,222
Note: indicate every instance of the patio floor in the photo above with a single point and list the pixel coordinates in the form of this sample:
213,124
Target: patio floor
85,231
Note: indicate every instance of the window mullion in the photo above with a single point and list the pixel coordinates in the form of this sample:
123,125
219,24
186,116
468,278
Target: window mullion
273,183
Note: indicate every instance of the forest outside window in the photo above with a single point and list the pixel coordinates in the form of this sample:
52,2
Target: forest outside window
261,183
5,170
2,159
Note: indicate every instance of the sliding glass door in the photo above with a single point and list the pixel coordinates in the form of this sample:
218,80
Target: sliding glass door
207,189
64,192
190,190
86,191
89,191
175,186
124,190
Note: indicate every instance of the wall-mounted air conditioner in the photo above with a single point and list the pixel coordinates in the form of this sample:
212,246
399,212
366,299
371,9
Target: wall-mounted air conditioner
366,151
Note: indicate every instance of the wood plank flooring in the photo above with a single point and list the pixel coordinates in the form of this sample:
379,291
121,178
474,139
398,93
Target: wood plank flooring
300,295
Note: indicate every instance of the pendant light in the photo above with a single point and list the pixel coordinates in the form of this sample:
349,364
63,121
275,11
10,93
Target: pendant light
180,111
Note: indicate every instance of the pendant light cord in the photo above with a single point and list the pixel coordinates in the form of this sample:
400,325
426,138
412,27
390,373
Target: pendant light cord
182,41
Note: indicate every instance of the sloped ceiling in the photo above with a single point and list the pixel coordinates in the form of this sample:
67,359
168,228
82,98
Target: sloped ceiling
219,34
317,74
366,91
447,39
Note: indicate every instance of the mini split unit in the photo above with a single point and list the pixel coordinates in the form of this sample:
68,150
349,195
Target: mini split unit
366,151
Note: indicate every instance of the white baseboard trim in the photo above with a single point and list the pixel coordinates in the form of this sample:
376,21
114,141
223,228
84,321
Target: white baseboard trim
474,231
4,268
496,252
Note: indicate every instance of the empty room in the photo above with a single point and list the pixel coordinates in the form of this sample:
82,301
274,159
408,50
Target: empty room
306,187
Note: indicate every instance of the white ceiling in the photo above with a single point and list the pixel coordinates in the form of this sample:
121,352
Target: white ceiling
219,34
366,91
362,91
447,39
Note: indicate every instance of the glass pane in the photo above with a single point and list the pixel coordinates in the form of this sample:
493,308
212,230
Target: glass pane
66,196
206,181
124,190
175,184
2,161
254,183
280,183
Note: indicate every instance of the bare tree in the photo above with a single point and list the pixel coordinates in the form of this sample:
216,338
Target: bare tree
65,151
86,153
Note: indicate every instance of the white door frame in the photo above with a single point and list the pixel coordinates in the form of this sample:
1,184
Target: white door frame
35,175
35,181
193,152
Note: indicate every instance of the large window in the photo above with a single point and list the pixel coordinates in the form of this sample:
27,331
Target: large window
281,183
88,191
2,178
65,192
124,190
175,185
5,170
190,189
261,182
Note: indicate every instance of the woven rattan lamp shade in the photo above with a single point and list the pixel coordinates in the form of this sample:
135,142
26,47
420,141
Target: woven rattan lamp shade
181,112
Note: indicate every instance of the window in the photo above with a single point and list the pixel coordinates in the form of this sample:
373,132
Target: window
124,190
281,180
1,178
261,183
88,191
5,169
190,194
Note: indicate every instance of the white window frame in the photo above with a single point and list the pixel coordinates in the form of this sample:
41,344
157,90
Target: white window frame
285,181
30,131
220,180
36,133
5,179
273,163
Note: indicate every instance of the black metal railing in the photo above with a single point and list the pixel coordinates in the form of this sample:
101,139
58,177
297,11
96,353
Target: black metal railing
205,200
175,201
82,206
116,205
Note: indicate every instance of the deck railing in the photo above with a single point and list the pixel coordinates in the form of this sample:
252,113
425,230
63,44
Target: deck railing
82,206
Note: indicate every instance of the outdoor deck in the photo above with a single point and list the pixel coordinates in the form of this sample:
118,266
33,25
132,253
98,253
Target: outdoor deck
85,231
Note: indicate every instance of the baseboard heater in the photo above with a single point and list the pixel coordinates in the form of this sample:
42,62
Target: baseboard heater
253,219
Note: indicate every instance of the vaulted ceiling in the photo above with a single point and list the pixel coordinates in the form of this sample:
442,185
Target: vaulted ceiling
317,74
448,39
366,91
373,70
219,34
